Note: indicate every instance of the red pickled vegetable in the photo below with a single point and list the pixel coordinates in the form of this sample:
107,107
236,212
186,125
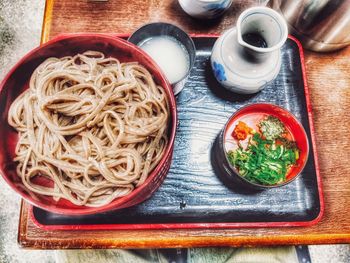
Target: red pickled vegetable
241,131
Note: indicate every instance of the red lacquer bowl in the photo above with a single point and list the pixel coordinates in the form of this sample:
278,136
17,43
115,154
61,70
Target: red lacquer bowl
251,115
16,82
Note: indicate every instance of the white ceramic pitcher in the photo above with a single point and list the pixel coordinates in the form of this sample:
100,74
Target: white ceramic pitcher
247,57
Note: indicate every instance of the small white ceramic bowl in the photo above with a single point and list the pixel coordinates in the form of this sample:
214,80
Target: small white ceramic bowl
205,9
165,29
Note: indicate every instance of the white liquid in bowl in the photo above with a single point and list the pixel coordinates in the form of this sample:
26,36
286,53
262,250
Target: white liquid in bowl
170,55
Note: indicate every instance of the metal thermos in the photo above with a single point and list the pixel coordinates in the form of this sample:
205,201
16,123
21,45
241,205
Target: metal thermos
321,25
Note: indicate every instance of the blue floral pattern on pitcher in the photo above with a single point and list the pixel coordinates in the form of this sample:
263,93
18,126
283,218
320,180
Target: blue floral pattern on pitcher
219,71
218,8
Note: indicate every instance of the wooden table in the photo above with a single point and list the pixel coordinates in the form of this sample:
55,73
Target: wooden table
329,84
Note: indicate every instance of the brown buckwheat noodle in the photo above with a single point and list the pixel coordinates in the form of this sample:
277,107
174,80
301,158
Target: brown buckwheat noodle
93,126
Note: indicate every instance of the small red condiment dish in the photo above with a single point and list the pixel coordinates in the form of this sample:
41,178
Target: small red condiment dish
251,115
16,81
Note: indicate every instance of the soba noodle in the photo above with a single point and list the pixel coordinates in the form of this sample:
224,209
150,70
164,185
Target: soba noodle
93,126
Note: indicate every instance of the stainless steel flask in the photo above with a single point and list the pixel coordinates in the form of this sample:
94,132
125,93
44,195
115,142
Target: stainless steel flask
321,25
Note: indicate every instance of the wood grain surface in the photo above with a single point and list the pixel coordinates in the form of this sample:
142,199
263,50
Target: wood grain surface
329,85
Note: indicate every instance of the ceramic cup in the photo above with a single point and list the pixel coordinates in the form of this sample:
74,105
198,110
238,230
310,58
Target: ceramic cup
164,29
205,9
244,64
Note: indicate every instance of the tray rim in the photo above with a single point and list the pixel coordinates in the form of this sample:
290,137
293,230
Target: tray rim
228,225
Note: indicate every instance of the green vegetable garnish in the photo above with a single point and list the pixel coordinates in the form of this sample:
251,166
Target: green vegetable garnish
272,128
264,161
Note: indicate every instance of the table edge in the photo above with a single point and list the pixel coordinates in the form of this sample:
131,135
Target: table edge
153,241
47,19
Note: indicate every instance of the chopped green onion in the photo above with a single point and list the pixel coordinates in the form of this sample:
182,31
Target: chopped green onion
264,161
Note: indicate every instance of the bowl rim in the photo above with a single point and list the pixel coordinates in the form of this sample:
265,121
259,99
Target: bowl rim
288,113
117,203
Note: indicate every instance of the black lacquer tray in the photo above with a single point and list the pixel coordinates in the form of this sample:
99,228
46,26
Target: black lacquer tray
192,195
